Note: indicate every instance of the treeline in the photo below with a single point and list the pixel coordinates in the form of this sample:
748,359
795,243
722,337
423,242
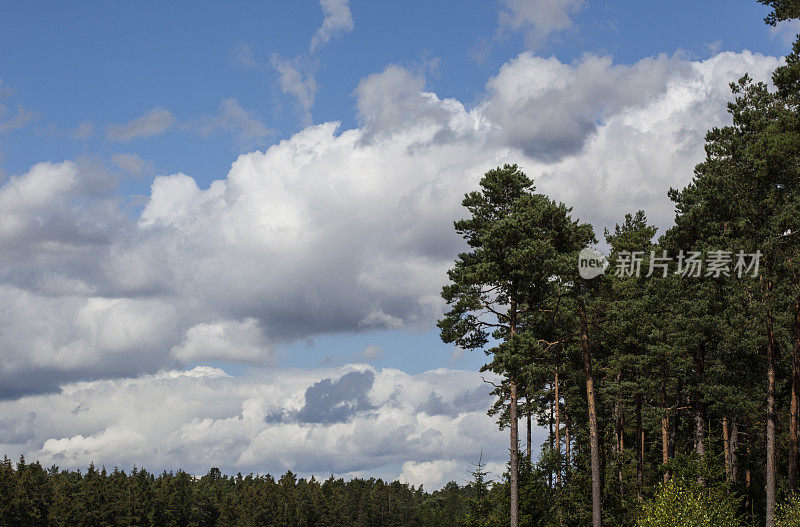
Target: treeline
33,496
677,372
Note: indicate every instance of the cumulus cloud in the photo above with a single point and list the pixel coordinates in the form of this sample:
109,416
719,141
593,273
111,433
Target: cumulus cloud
55,221
639,150
395,99
154,122
203,417
549,109
332,231
60,318
236,341
538,18
337,400
433,475
473,400
338,19
48,340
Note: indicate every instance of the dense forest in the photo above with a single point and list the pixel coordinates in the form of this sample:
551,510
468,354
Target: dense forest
34,496
669,385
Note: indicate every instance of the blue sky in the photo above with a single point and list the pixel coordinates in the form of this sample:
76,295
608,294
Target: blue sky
105,63
176,211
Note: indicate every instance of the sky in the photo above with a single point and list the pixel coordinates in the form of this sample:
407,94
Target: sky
224,227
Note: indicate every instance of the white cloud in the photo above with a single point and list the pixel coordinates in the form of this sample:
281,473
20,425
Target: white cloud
372,352
433,475
786,31
248,131
638,151
232,118
338,19
53,210
395,99
9,123
202,418
296,76
133,164
67,334
539,18
331,231
154,122
549,109
296,80
234,340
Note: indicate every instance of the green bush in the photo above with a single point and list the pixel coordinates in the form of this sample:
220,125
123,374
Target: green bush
682,503
788,514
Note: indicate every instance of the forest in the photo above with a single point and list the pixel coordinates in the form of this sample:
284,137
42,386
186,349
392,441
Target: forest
34,496
668,385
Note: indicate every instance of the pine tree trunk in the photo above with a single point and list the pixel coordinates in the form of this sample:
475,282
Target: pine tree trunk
673,422
664,424
558,432
594,440
794,402
619,438
528,431
640,449
567,443
792,478
748,478
514,463
514,418
699,421
550,439
770,468
734,448
726,448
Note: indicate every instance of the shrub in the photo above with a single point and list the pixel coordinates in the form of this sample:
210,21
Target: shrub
684,503
788,513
